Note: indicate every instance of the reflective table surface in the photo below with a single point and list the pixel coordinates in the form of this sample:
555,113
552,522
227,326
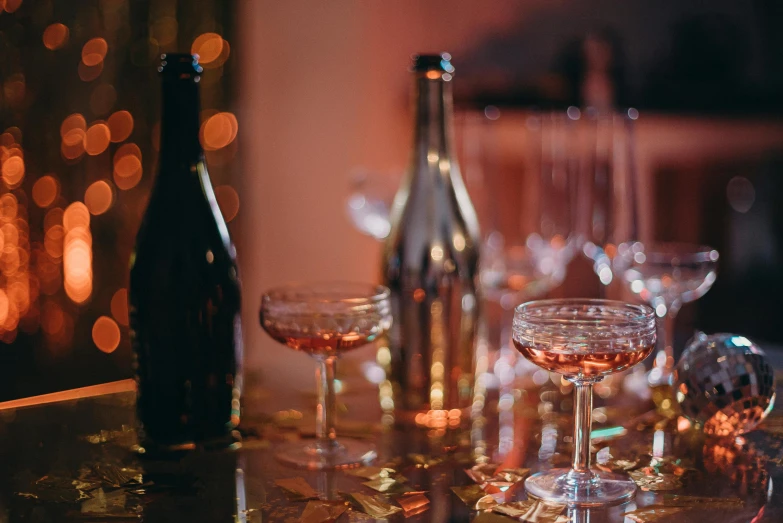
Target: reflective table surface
71,460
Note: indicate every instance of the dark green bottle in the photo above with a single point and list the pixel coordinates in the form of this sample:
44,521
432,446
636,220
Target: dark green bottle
184,290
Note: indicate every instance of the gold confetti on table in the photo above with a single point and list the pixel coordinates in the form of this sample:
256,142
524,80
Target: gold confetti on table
297,489
676,500
482,472
388,485
618,465
489,474
373,505
371,472
413,503
469,494
322,511
486,502
652,513
531,511
655,481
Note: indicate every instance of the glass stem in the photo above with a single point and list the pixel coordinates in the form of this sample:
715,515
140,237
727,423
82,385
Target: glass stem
580,474
324,422
664,358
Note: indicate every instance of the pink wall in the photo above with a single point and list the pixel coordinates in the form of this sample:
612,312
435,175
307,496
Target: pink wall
325,90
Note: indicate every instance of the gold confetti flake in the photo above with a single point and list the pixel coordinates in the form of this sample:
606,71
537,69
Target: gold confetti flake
414,503
652,513
486,502
373,505
676,500
322,511
388,485
655,481
371,472
469,494
531,511
297,489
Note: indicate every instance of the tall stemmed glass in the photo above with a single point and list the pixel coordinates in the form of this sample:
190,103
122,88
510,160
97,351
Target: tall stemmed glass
325,320
584,340
666,276
608,196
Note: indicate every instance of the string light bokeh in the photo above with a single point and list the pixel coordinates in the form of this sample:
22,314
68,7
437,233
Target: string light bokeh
79,140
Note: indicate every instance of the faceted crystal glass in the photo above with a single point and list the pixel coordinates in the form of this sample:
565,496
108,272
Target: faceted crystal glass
584,340
325,320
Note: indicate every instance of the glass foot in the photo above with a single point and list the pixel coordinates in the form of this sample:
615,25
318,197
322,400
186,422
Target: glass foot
604,489
346,453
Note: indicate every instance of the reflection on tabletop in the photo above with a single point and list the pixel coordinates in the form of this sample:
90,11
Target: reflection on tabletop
70,460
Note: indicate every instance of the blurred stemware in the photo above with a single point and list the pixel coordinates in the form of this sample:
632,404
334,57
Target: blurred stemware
325,320
666,276
609,194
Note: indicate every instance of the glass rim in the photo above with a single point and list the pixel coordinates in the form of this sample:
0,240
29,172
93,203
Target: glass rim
308,292
684,252
644,313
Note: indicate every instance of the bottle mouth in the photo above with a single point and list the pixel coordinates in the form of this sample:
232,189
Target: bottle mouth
182,65
433,66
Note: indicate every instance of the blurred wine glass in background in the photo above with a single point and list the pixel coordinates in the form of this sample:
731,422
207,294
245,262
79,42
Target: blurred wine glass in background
608,195
369,202
666,276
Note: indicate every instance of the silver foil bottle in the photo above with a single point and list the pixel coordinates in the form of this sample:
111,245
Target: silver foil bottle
430,264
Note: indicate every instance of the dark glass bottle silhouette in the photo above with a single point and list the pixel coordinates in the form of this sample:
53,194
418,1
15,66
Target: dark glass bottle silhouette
184,293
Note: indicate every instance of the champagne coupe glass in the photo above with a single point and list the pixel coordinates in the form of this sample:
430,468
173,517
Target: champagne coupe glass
667,275
584,340
325,320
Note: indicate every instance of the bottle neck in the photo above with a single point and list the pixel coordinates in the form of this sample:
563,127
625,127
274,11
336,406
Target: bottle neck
433,124
179,126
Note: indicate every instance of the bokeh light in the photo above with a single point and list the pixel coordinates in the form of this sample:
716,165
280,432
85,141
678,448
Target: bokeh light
9,206
74,121
13,171
52,317
53,241
119,306
120,126
127,166
228,200
98,197
77,253
106,334
73,131
11,5
45,190
208,47
88,73
55,36
47,265
77,268
76,215
14,89
4,305
164,30
218,131
16,134
97,139
53,217
94,51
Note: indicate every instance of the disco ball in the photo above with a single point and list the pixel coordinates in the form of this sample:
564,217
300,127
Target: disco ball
724,384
